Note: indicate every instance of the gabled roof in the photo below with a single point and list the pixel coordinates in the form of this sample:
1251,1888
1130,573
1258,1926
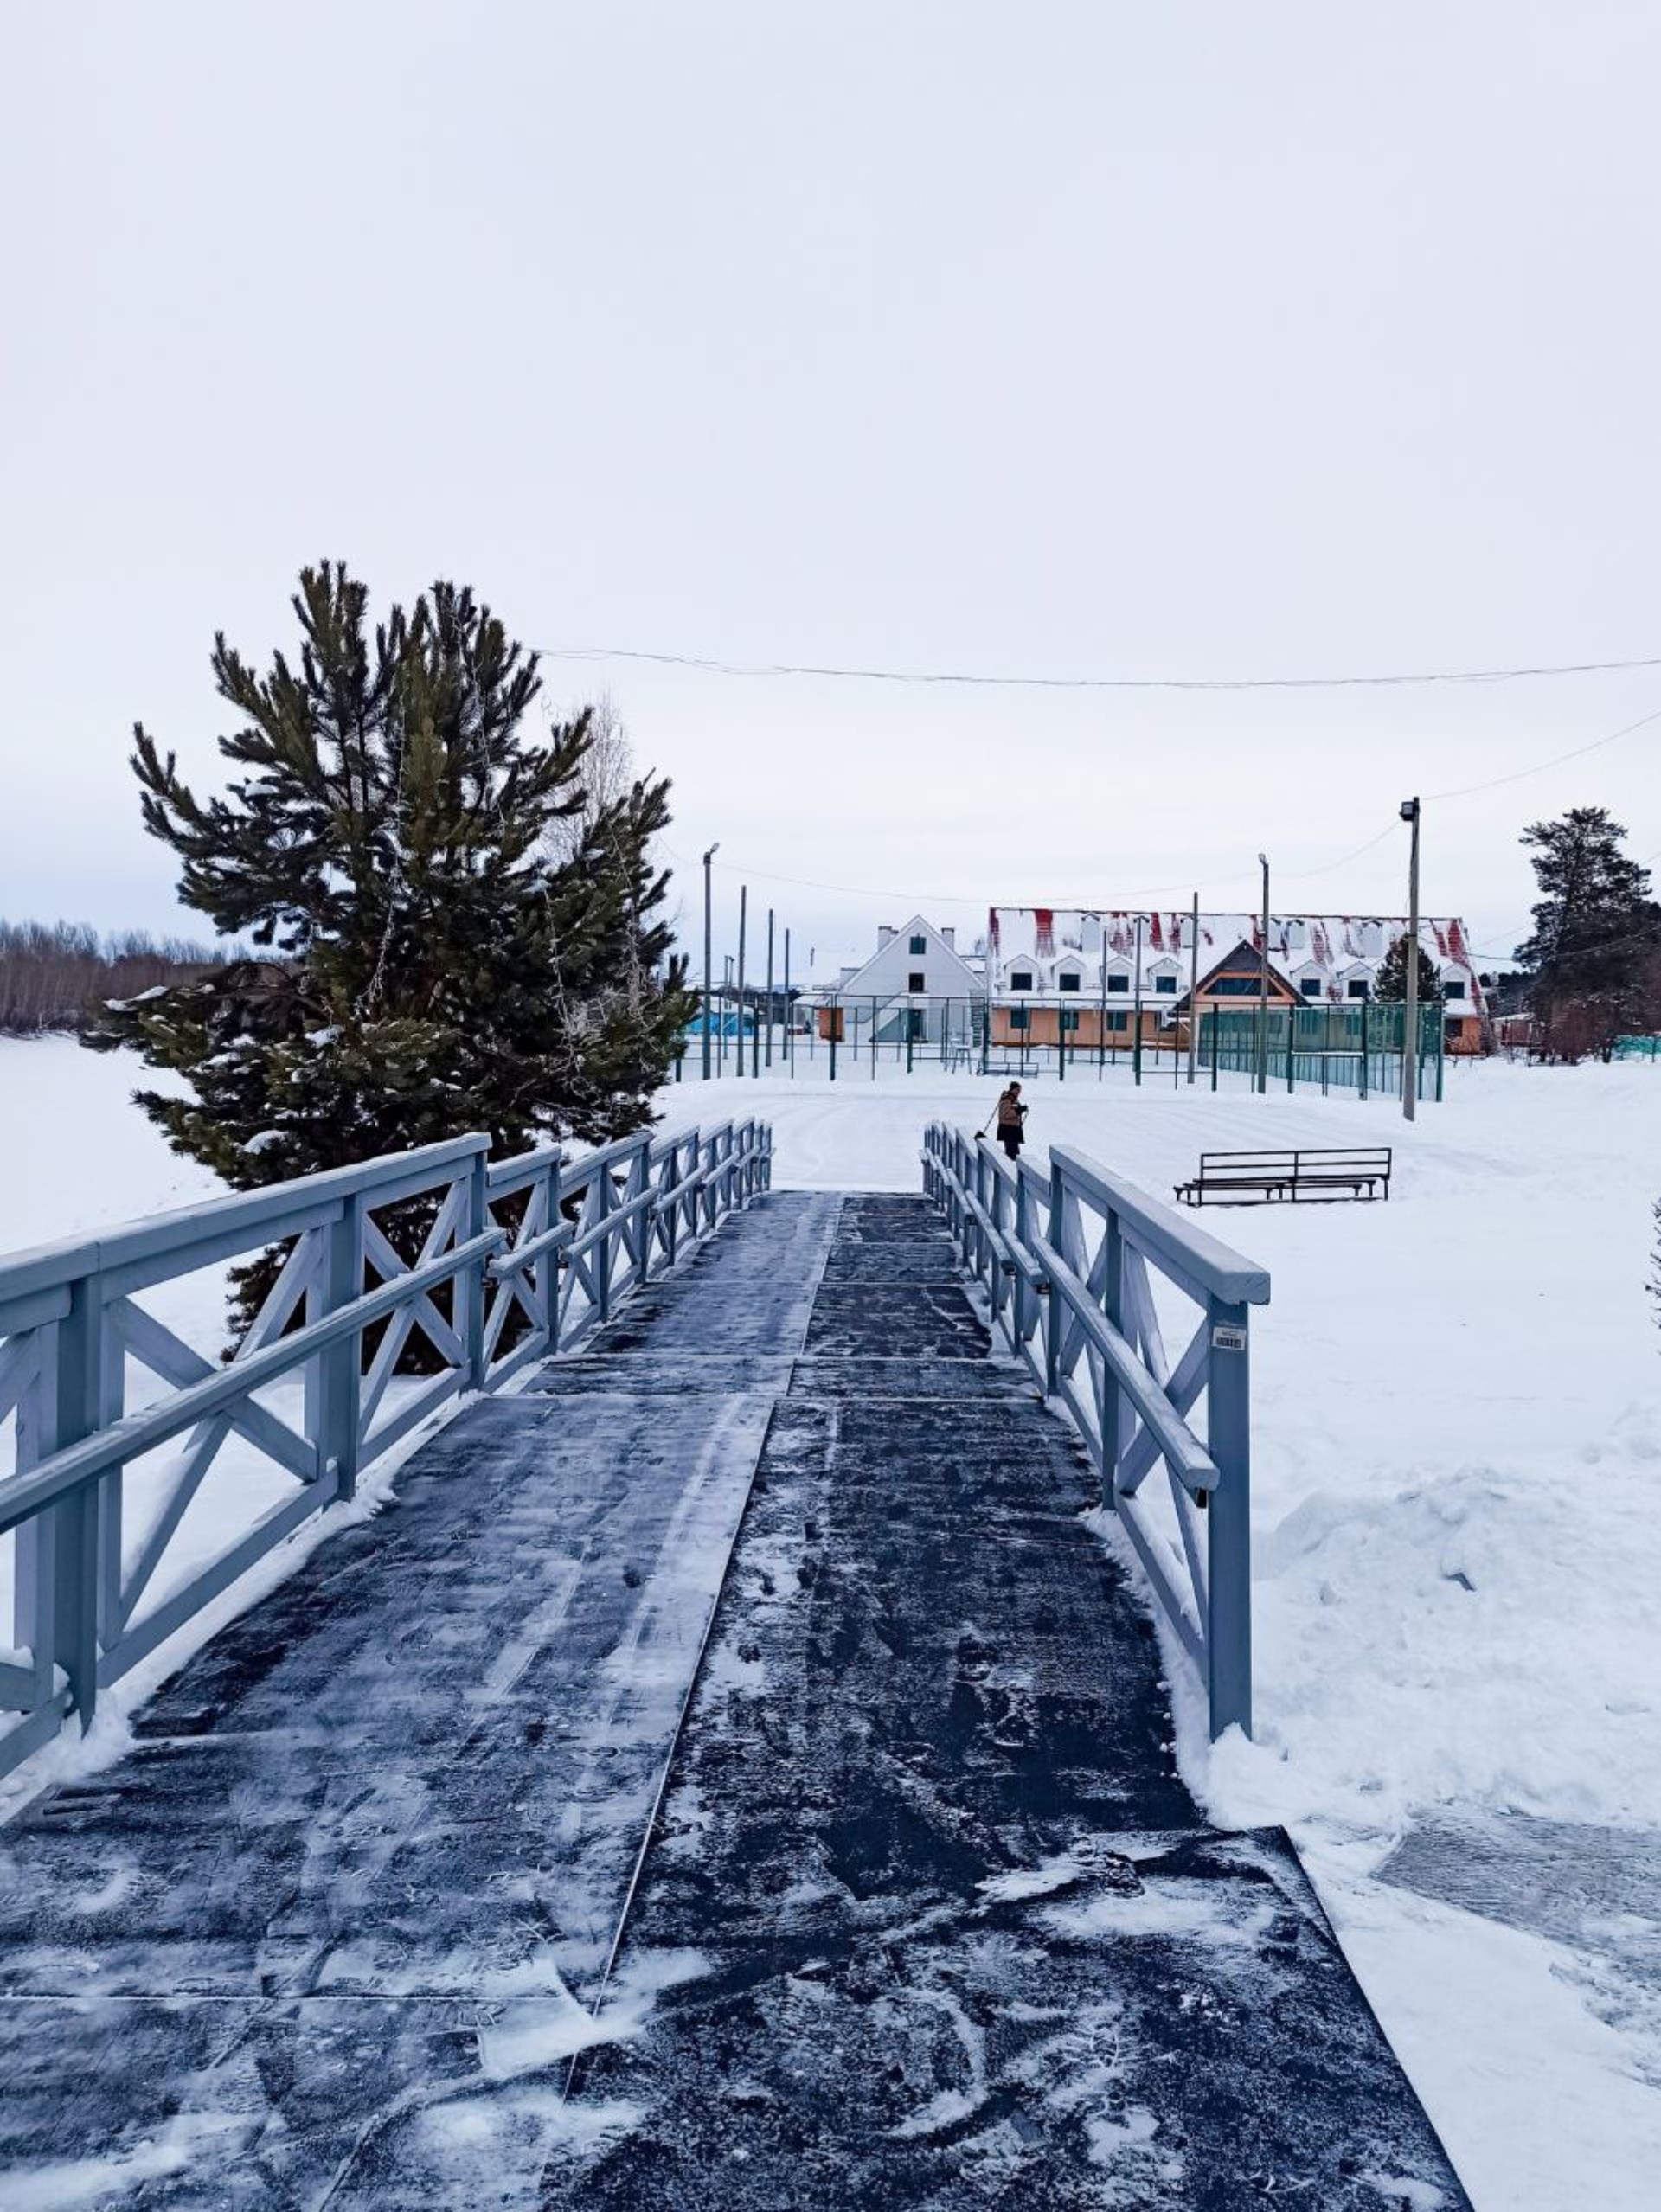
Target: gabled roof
1330,943
938,950
1244,959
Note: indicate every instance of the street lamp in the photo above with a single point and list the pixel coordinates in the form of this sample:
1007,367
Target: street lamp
1263,987
708,857
1410,1039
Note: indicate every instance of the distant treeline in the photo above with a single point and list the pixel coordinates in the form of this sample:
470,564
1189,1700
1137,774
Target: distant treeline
53,973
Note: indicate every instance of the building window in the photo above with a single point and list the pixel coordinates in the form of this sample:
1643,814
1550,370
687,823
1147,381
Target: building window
1310,986
1358,987
919,944
1069,1019
1017,1018
1066,981
1236,987
914,980
1455,989
1119,983
1118,1021
1165,985
1022,979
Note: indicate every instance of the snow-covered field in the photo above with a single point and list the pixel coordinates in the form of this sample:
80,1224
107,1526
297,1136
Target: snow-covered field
1457,1592
1457,1472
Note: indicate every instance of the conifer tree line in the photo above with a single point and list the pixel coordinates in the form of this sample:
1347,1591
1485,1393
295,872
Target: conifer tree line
55,975
1592,961
447,934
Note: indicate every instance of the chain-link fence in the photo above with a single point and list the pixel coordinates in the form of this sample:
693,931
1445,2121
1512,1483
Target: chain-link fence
1355,1046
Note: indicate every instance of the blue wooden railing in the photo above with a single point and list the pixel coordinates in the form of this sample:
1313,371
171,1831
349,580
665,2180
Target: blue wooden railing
1065,1253
528,1254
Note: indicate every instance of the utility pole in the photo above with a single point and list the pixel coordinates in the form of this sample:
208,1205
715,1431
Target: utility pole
790,1011
1410,1038
1194,991
1263,1083
726,1002
708,857
1101,1009
1136,1041
756,1070
743,905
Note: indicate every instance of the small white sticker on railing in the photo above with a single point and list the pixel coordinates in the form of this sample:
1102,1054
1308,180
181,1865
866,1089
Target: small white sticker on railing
1228,1337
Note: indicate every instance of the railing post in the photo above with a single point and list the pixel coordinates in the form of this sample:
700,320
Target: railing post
1057,1306
547,1267
669,1212
1113,1423
983,1250
601,1186
66,1567
1022,1240
332,1412
1228,1581
471,1286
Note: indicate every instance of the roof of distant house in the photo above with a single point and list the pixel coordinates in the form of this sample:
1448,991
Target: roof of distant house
1331,946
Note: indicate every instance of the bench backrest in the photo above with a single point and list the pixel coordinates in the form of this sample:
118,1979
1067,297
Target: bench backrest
1319,1159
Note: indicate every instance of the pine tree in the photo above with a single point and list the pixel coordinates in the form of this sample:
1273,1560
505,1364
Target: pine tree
1391,984
1596,929
1390,988
422,965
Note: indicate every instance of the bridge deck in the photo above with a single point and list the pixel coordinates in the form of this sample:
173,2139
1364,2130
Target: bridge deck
927,1916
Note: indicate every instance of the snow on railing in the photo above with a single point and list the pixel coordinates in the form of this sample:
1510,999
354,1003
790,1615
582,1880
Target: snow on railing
491,1264
1068,1255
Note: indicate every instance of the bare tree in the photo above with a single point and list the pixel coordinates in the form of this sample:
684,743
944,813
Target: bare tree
607,775
54,975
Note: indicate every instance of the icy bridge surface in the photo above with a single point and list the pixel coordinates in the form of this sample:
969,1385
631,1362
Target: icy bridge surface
925,1917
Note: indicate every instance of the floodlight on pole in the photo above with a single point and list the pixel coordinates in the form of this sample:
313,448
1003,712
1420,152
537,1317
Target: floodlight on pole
708,857
1410,811
1262,1081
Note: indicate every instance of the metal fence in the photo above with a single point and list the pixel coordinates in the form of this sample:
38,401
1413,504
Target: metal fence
1357,1046
481,1266
1076,1263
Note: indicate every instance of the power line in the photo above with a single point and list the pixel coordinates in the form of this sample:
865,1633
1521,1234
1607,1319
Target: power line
709,665
979,903
1516,776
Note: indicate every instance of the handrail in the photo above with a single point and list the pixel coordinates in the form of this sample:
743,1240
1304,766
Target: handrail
1066,1255
528,1254
24,1495
244,1213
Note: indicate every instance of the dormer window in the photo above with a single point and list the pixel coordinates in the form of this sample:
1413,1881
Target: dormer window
1068,980
1358,987
1165,986
1310,986
1021,980
1119,983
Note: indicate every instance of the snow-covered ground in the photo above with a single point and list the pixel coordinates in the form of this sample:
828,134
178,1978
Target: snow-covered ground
1458,1592
1456,1476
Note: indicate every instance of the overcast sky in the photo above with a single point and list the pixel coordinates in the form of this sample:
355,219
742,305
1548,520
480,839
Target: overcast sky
1113,340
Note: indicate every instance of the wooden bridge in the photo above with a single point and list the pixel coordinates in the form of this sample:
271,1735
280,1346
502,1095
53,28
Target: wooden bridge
733,1773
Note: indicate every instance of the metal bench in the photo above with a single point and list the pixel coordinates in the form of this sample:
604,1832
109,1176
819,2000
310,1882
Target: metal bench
1260,1178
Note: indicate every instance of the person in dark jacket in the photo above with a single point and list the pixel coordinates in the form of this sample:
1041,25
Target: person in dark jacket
1011,1120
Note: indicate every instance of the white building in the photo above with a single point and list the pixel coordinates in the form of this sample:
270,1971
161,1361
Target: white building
916,984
